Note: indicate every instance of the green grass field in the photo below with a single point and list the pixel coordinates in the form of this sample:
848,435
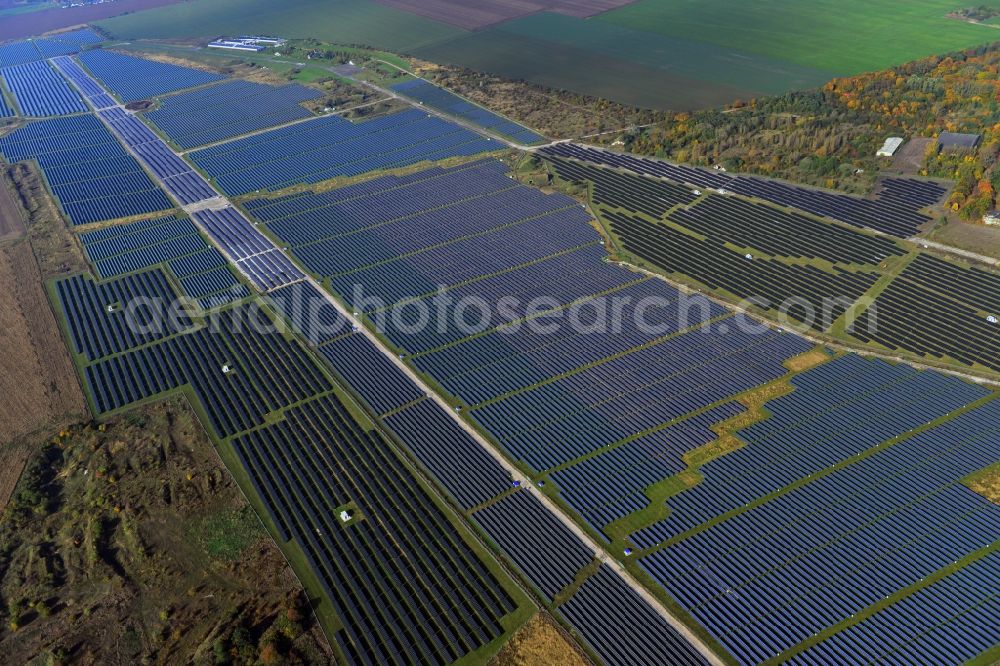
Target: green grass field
667,54
845,36
359,22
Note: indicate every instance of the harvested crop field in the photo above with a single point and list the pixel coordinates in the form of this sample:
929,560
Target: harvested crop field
47,20
473,15
37,379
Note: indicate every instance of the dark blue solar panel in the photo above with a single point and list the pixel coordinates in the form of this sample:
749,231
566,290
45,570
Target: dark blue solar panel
368,371
621,626
546,550
331,146
134,78
41,91
460,463
229,109
443,100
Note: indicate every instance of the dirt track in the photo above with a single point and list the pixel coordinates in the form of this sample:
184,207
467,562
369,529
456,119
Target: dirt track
11,223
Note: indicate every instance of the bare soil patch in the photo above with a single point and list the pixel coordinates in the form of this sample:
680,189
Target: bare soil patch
558,114
141,105
170,60
987,483
478,14
56,250
910,158
978,238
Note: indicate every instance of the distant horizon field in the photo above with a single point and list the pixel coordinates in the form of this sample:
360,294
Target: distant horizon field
663,54
813,33
360,22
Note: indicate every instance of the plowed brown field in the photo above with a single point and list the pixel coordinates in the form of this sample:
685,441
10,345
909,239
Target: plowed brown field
37,383
477,14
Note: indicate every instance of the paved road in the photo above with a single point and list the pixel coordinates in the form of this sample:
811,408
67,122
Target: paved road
599,552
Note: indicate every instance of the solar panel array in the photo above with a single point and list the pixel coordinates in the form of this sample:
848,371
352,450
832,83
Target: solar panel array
112,317
622,628
949,622
93,93
407,588
894,211
91,175
135,246
939,309
778,233
253,253
331,146
614,189
40,91
569,277
509,360
378,381
134,78
611,484
837,411
547,551
776,575
651,385
460,464
229,109
803,292
309,312
238,372
737,221
517,244
177,176
450,103
19,53
405,241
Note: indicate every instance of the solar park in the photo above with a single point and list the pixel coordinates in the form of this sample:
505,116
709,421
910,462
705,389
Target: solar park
229,109
331,147
829,512
426,93
34,50
91,175
41,91
604,419
932,309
